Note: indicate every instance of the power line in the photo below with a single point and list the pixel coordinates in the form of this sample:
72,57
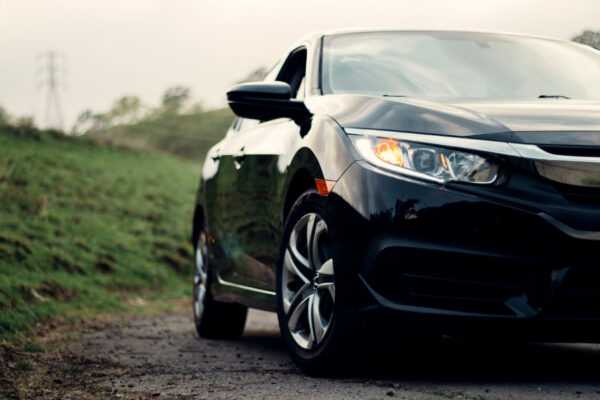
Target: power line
52,71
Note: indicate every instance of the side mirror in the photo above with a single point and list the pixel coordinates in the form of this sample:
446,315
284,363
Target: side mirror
266,101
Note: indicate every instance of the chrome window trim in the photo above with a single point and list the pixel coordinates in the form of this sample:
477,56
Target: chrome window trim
529,151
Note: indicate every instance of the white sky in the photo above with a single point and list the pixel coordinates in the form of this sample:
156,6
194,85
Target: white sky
118,47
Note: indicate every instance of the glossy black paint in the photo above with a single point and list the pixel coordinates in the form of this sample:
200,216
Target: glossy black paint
245,194
540,121
507,256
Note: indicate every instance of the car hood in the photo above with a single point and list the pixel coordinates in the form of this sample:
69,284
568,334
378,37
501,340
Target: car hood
539,121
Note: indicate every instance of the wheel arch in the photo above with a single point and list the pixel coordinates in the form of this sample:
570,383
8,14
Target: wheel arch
302,181
198,223
326,154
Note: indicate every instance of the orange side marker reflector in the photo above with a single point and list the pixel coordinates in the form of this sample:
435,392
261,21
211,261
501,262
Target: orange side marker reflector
324,187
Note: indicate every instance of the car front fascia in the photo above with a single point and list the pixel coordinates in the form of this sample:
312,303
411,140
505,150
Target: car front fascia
376,199
401,214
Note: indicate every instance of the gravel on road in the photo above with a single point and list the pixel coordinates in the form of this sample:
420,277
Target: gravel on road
161,357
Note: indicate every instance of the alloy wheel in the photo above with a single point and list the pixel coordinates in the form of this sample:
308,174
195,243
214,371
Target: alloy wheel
308,288
200,277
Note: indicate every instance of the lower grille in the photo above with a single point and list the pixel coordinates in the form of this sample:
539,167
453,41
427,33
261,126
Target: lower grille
578,297
580,195
466,283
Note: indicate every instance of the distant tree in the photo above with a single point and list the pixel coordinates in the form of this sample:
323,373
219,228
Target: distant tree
125,110
83,123
257,75
174,99
196,108
4,116
25,124
100,122
588,37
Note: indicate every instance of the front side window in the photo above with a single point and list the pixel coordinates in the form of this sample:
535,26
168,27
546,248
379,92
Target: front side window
458,65
294,71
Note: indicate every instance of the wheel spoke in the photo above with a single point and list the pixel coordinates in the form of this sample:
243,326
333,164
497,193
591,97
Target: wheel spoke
311,318
295,268
303,337
201,293
289,297
294,297
199,261
297,264
313,246
318,325
329,286
326,270
310,232
200,278
297,310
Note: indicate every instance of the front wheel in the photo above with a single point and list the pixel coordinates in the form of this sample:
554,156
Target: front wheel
306,291
213,319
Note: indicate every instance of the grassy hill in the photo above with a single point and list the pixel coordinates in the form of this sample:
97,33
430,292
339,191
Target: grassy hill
185,135
86,227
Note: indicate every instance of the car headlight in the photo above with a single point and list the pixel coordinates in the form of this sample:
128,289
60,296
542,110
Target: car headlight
424,161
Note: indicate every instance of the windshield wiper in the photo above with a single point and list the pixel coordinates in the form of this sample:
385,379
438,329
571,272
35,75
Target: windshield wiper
552,96
393,95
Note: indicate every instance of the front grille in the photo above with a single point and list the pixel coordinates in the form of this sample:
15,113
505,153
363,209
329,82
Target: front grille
572,151
584,175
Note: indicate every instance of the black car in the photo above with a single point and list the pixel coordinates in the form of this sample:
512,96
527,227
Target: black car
416,182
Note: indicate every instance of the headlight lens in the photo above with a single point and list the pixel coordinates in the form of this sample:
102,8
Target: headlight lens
433,163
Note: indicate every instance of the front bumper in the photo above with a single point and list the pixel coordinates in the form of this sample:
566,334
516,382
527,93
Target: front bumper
439,254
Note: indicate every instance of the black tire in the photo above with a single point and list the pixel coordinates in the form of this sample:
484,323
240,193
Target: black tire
327,357
215,320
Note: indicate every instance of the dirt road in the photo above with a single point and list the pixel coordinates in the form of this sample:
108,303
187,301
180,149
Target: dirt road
161,357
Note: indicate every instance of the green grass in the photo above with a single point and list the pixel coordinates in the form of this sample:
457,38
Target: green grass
84,226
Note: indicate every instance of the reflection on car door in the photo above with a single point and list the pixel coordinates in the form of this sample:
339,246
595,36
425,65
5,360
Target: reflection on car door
248,227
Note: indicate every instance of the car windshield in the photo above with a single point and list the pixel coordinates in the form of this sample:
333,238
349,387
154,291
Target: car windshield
459,65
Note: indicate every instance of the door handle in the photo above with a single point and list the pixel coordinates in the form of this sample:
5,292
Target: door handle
216,155
238,160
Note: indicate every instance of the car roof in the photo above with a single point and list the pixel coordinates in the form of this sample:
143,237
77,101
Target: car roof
314,36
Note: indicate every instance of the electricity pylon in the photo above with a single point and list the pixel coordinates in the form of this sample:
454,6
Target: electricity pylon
52,72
